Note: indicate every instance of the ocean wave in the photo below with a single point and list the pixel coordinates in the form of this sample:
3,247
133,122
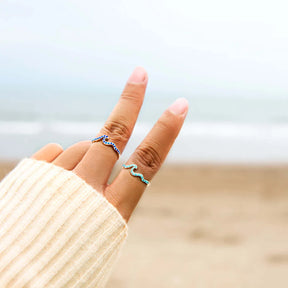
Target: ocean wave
215,129
220,142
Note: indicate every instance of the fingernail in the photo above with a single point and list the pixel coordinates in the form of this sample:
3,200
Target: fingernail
138,76
179,107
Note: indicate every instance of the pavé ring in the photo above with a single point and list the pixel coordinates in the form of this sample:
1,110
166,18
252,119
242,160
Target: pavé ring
104,139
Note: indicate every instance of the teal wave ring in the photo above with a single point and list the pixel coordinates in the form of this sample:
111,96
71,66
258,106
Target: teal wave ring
104,139
133,173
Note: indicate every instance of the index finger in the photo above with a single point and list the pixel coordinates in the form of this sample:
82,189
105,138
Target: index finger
118,128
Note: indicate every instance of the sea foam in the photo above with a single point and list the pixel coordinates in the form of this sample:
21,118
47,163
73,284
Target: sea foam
203,142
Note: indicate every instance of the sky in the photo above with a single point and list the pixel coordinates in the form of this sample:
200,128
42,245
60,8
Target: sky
206,48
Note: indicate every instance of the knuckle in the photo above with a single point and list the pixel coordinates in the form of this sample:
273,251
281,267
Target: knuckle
132,95
165,124
118,130
167,127
149,157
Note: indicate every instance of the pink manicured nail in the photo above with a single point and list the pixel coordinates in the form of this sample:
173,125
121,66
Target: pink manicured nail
179,107
138,76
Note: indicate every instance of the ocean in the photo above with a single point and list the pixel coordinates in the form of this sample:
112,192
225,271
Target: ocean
217,130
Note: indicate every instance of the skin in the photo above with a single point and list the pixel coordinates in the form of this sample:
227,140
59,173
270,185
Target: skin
86,159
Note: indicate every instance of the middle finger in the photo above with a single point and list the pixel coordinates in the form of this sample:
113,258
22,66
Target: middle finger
96,165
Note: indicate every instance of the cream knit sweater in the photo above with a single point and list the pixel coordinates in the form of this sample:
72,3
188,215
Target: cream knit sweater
55,229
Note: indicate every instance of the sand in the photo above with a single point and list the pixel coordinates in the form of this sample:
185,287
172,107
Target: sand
207,226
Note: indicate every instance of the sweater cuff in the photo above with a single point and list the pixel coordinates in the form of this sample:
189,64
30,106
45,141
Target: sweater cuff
55,229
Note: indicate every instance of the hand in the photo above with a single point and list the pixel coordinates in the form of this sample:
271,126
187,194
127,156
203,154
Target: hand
93,162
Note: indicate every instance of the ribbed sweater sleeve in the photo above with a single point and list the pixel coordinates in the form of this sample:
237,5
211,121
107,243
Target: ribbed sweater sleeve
55,229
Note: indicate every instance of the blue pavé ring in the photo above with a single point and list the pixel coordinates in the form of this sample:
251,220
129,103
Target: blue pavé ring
104,139
133,173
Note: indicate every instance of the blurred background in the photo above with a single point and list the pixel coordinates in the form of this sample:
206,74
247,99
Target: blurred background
217,213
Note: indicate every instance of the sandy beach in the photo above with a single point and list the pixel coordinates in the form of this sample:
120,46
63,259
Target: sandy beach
207,226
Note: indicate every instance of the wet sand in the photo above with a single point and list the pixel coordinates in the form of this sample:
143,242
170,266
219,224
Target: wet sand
207,226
